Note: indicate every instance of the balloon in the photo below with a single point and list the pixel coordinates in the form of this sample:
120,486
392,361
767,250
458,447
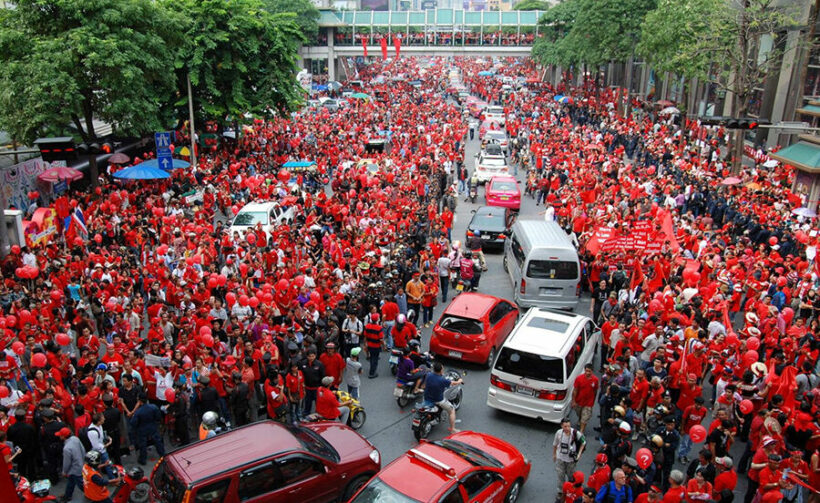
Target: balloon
213,282
788,315
251,238
63,339
282,284
801,237
773,240
243,300
697,433
644,457
208,340
750,356
254,302
746,406
752,343
230,298
732,339
243,269
315,296
223,280
97,238
15,249
655,305
4,392
56,295
18,347
299,281
234,209
38,360
162,249
205,330
78,241
11,321
170,395
267,297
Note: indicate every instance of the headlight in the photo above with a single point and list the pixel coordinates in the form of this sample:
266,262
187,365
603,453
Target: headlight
374,456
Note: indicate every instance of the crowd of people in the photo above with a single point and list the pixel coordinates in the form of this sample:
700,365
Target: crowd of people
129,335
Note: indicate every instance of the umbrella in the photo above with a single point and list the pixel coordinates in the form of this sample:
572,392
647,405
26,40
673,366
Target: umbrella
60,173
298,164
564,99
558,97
184,151
753,186
333,85
142,171
119,158
155,163
670,111
664,103
485,73
771,163
730,180
805,212
360,96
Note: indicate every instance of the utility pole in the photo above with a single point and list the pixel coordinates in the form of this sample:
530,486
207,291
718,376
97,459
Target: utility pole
4,229
192,129
741,89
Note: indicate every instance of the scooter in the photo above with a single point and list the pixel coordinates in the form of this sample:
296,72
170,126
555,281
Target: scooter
36,492
473,192
357,416
134,487
395,356
427,415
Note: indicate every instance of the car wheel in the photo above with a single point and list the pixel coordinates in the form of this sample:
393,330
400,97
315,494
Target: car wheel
354,486
457,400
514,492
358,418
490,358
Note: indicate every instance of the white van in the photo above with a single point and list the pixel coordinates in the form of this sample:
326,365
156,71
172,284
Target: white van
543,265
536,367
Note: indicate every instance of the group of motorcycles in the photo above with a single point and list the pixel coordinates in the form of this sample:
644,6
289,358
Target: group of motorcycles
133,487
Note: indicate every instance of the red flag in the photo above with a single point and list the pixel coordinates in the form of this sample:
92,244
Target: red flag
637,276
383,42
397,45
364,46
668,229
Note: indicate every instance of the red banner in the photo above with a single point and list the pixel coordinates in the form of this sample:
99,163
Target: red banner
383,42
397,45
364,46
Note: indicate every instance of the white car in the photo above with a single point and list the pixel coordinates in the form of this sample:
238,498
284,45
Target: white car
268,213
495,114
498,137
488,166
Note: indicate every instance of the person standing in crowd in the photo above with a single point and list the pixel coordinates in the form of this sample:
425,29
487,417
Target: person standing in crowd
146,421
73,461
567,447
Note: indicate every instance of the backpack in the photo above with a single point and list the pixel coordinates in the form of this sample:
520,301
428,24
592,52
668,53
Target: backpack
82,434
610,498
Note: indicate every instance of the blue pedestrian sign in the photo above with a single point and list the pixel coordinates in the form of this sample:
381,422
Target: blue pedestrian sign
164,154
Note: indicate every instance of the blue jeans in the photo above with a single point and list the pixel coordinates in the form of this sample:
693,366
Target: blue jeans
685,445
388,338
72,482
427,314
310,397
444,285
374,360
354,391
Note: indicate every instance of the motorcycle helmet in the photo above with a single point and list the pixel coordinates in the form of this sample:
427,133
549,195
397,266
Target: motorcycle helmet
661,410
619,410
401,319
209,419
657,440
624,428
414,344
92,458
578,478
468,254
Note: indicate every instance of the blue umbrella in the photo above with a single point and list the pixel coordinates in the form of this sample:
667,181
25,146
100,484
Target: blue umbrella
154,163
485,73
298,164
141,172
564,99
558,97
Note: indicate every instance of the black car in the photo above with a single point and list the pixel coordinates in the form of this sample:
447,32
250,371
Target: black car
493,223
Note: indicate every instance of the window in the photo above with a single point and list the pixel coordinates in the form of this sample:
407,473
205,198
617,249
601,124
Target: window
574,354
589,329
552,269
251,218
518,252
297,469
213,492
500,311
461,325
477,482
259,480
530,365
454,496
548,324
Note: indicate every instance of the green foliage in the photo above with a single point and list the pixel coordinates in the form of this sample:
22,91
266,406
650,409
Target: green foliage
307,15
72,61
241,58
554,26
531,5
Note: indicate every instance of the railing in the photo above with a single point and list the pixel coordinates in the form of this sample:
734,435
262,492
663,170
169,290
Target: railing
437,39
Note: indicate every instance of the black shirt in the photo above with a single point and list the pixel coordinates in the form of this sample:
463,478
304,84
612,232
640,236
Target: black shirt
313,373
130,397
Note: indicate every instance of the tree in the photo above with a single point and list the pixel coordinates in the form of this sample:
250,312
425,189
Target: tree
73,61
240,58
554,26
607,30
531,5
307,16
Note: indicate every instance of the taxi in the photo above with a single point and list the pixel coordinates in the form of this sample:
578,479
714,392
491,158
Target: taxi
503,191
465,467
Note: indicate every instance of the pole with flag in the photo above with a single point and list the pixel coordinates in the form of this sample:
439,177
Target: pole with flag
364,46
383,43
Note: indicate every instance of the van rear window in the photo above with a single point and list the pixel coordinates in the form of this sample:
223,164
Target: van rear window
552,269
168,487
530,366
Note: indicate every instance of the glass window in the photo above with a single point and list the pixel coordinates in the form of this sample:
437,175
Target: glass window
170,488
377,491
505,187
530,366
297,469
477,482
251,218
461,325
548,324
518,252
497,314
574,354
552,269
454,496
213,492
259,480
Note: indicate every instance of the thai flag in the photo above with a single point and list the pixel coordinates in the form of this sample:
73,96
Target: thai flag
78,221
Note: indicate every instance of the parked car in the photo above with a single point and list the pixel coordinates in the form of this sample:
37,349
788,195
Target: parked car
503,191
493,225
492,149
268,462
268,213
473,327
463,467
488,166
494,114
331,105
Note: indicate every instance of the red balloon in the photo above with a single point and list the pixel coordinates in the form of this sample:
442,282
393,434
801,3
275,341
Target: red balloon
697,433
63,339
15,249
644,457
243,269
208,340
234,209
254,302
4,392
56,295
205,330
222,280
732,339
753,343
773,240
746,406
97,238
282,284
243,300
38,360
213,282
315,296
750,356
18,347
170,395
230,298
251,238
78,241
299,281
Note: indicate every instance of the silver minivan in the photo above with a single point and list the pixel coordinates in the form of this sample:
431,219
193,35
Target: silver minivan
543,265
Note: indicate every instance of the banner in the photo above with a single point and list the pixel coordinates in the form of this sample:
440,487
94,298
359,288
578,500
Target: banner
383,43
18,180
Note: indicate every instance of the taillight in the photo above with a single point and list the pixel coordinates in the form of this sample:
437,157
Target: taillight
498,383
523,289
470,233
558,394
502,236
578,289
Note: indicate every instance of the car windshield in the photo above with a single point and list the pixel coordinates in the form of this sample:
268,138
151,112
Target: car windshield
461,325
311,441
495,110
472,454
169,488
377,491
492,149
251,218
493,161
504,187
496,135
492,220
530,366
552,269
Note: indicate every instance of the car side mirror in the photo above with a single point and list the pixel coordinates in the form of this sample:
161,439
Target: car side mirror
472,211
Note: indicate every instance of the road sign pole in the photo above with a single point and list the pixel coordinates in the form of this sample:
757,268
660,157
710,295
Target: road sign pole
191,120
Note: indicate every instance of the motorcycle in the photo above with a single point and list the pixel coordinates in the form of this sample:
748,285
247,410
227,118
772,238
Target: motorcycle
357,416
133,487
36,492
473,193
395,356
427,415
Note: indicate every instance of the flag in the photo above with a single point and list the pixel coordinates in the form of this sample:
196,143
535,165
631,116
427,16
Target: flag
383,43
364,46
668,229
78,220
637,276
397,45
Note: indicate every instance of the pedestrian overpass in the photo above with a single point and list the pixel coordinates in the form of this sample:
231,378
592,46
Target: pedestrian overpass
434,32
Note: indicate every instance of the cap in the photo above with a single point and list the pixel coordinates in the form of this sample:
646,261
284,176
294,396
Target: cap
601,458
692,377
655,489
767,440
63,433
630,462
355,351
327,381
590,492
775,457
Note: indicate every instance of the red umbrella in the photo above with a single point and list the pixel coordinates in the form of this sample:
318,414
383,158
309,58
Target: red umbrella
664,103
60,173
730,180
119,158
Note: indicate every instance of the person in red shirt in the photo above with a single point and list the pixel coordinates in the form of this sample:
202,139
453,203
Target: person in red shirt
676,492
639,391
798,470
692,415
583,395
654,495
771,476
574,489
698,488
328,406
726,477
760,459
689,390
333,362
601,473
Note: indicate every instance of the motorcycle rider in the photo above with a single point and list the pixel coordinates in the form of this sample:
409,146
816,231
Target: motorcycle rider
208,426
403,332
328,406
435,384
475,245
94,483
467,270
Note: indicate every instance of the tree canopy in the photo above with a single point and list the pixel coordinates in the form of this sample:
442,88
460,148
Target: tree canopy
531,5
307,15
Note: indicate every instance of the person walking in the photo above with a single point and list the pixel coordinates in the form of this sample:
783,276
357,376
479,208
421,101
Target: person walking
443,267
567,447
415,293
145,421
73,456
353,372
374,338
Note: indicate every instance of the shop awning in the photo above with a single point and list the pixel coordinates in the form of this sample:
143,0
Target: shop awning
802,155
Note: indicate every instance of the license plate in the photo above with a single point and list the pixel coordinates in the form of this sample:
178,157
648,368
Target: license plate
505,198
524,390
394,359
398,391
459,287
416,422
455,354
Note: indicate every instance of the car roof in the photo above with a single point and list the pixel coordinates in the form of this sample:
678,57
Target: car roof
415,474
542,234
232,449
488,211
471,305
496,132
503,178
259,206
526,337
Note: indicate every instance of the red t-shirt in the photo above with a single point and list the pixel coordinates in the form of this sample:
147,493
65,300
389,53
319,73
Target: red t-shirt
674,495
725,480
587,388
327,405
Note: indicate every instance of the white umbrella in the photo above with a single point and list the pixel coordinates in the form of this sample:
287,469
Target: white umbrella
771,163
669,111
804,212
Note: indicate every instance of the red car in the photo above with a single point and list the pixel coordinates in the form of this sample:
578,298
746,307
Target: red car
464,467
473,327
503,191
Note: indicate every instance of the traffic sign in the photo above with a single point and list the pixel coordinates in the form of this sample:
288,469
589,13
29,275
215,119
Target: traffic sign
164,154
165,162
